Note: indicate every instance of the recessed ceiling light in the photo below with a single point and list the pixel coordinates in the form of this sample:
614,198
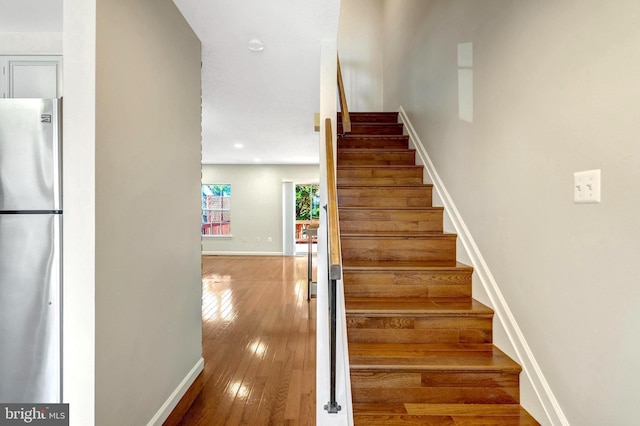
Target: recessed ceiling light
256,45
238,145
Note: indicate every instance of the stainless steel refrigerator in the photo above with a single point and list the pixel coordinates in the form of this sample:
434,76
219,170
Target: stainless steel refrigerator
30,251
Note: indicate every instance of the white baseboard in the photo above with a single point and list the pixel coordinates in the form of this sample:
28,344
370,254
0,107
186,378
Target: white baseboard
507,320
163,413
241,253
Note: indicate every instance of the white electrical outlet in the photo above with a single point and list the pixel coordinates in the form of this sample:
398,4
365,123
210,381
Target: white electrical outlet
586,187
258,239
269,239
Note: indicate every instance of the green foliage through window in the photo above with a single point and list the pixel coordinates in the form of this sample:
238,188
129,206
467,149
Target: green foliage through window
307,202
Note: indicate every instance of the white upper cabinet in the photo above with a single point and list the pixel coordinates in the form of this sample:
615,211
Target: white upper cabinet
31,76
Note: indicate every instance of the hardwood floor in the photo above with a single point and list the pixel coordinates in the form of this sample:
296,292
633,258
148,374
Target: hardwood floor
258,343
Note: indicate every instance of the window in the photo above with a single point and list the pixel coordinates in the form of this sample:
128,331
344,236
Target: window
307,202
307,210
216,209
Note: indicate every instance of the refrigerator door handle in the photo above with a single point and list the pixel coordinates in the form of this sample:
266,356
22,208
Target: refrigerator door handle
56,159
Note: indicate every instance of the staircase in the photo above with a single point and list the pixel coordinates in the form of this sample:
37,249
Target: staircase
420,347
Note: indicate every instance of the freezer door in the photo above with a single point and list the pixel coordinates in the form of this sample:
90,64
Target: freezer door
29,154
30,311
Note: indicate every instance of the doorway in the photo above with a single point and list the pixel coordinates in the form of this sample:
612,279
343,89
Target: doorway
307,202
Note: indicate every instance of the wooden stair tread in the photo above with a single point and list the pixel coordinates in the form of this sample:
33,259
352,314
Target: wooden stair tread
369,266
413,186
413,320
380,176
380,167
399,234
442,414
407,280
441,409
467,409
365,142
375,151
467,357
372,219
360,115
374,128
391,209
409,306
373,123
350,136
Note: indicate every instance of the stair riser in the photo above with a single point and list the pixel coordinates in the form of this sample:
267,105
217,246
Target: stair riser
399,175
383,197
393,142
371,117
380,181
373,129
439,387
407,284
379,220
401,179
439,251
365,158
419,329
380,172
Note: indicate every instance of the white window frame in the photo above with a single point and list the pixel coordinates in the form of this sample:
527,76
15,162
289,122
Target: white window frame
221,210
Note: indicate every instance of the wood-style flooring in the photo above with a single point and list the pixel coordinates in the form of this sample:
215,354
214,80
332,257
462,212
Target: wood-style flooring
258,343
420,347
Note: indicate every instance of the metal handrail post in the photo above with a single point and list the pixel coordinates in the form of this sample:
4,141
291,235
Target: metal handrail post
332,406
312,231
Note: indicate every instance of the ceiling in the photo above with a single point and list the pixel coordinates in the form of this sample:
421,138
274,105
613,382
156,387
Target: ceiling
262,101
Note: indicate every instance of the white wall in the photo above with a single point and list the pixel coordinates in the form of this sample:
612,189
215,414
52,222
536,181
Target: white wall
256,205
555,92
28,43
79,211
147,208
360,42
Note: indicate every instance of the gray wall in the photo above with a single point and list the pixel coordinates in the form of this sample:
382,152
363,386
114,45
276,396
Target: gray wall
256,205
147,208
555,92
360,42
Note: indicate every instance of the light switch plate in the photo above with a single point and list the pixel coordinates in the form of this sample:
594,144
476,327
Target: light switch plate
586,187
